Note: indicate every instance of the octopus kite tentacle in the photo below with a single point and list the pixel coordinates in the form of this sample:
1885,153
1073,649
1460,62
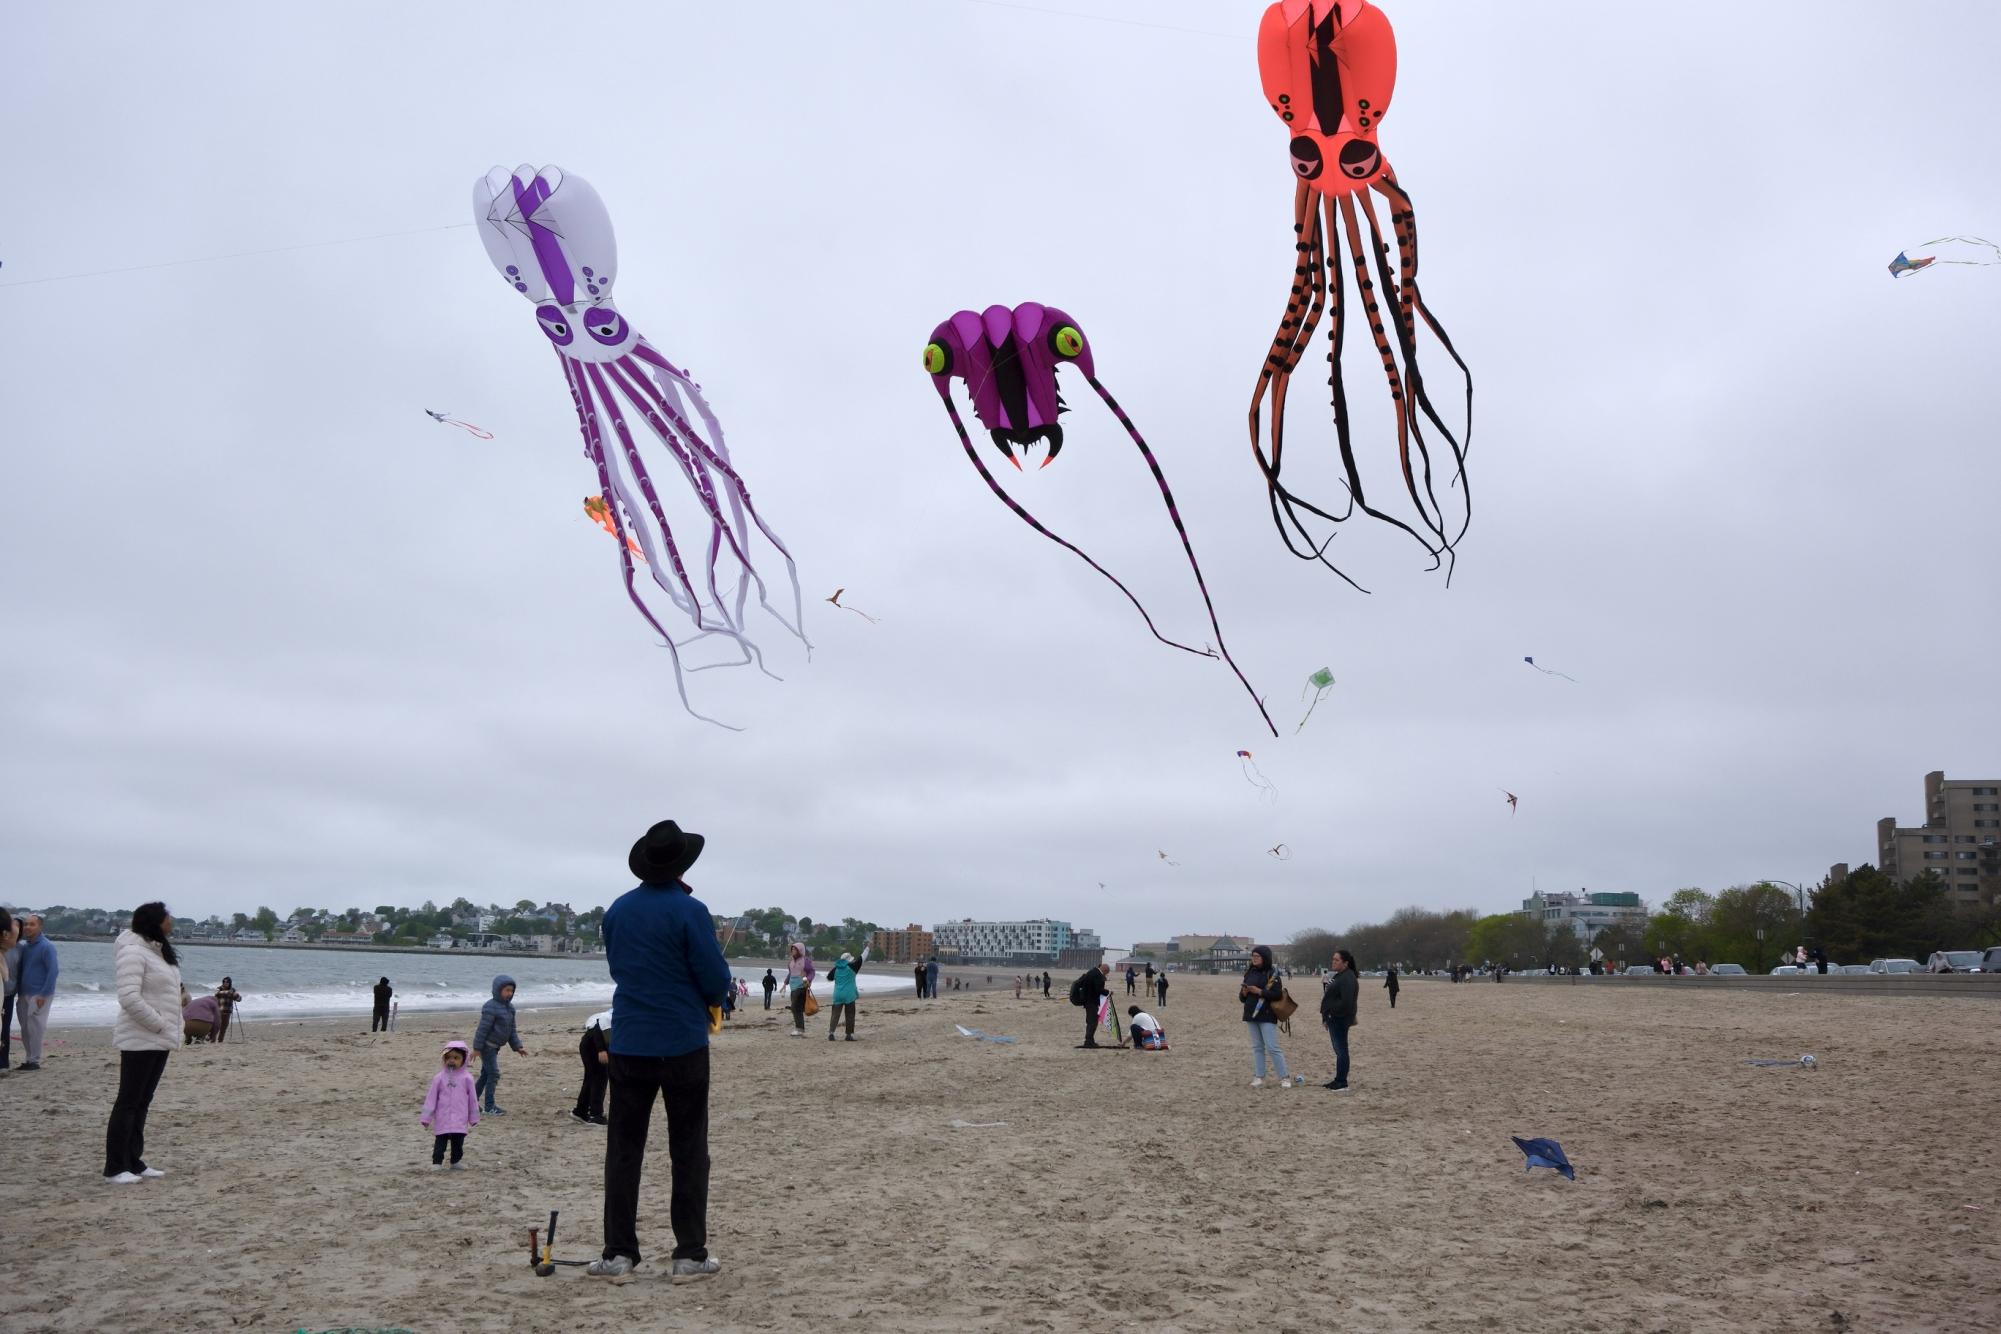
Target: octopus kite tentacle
958,424
1008,359
594,449
1403,219
1174,513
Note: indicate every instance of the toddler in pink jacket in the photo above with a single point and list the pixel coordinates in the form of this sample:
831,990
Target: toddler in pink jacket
451,1108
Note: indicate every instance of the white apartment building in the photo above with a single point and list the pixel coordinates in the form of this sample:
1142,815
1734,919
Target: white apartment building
1000,941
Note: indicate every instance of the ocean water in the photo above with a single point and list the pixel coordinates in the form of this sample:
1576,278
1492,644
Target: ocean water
302,983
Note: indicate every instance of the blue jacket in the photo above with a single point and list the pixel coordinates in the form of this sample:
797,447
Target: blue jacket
666,970
38,968
496,1021
843,973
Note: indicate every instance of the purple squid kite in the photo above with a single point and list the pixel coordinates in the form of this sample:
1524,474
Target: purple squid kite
1008,360
549,236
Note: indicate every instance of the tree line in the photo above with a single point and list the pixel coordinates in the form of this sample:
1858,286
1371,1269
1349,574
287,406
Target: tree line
1869,915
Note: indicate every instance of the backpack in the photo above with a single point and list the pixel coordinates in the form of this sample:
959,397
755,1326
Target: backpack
1077,992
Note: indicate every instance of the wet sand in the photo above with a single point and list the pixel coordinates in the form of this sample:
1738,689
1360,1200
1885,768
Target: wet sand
1126,1190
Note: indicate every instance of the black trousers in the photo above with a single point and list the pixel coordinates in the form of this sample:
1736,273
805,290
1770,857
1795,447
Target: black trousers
458,1143
125,1137
1091,1019
1163,998
798,1003
590,1098
834,1020
1393,1000
767,997
7,1030
682,1082
380,1024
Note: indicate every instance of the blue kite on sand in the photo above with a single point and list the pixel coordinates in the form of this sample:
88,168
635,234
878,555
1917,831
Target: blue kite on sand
965,1032
1545,1153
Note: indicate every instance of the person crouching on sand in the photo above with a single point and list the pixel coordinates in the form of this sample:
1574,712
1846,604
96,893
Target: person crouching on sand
1147,1033
595,1051
451,1107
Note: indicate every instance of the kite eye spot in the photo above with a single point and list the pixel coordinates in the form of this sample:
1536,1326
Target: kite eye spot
936,359
1067,341
607,326
1359,159
1306,160
554,325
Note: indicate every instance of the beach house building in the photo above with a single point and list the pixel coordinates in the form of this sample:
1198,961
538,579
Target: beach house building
1586,913
1041,940
911,944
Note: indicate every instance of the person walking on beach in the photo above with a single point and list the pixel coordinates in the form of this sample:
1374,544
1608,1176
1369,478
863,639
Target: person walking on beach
1260,988
666,970
227,997
451,1106
1132,980
931,978
496,1029
918,973
10,982
1087,991
595,1052
799,974
1337,1011
1045,985
845,994
147,1031
770,985
1391,984
383,991
1160,990
37,993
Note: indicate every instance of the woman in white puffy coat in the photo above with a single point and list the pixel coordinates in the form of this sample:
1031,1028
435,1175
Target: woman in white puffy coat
147,1031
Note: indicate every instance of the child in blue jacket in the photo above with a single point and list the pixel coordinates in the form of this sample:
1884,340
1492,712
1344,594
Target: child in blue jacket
496,1028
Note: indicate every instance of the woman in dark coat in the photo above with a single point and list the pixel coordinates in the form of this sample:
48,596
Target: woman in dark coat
1260,988
1393,986
1337,1011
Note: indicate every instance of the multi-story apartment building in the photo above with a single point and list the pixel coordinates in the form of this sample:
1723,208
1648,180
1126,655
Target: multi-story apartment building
1584,912
910,945
1043,939
1960,838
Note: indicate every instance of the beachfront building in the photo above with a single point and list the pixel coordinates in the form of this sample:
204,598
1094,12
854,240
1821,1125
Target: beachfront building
1586,913
1960,838
441,941
1042,940
909,945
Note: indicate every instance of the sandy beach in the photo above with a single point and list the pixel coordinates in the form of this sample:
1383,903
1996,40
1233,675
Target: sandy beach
1125,1189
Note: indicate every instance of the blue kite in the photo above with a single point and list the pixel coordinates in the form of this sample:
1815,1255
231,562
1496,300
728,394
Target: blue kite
1545,1153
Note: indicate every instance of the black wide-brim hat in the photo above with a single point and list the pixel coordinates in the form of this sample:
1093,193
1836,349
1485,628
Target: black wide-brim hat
664,853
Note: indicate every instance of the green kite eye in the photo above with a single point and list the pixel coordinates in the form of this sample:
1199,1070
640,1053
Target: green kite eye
1067,341
936,359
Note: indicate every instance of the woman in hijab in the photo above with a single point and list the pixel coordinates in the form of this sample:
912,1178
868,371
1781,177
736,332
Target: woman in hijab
1262,986
799,973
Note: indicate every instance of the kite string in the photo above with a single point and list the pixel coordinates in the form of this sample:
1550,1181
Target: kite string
239,254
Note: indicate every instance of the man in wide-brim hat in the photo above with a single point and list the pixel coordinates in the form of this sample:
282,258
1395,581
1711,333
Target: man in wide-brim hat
666,971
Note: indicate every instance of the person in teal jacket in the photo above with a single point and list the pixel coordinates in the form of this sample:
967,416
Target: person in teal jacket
845,991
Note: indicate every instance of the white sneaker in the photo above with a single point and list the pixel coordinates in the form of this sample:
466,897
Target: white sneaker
153,1173
1257,1083
124,1179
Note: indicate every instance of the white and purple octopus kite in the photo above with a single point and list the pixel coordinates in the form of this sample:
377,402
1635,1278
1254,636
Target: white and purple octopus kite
549,236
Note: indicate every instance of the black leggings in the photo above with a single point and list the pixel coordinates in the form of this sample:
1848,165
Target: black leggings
458,1143
125,1137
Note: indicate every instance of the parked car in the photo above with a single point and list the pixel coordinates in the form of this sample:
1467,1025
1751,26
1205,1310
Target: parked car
1789,970
1855,970
1638,970
1888,966
1727,970
1954,961
1990,962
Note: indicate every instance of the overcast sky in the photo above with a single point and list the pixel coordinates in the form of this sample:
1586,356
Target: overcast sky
272,636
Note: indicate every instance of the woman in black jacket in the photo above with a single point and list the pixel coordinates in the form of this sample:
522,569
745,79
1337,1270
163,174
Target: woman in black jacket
1391,985
1261,987
1337,1011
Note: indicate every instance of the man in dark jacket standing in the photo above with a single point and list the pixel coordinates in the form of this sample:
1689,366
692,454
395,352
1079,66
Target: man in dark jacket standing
666,971
1337,1011
770,985
1091,987
1391,985
1160,988
1045,985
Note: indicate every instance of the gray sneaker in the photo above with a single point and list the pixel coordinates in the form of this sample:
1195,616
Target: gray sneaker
618,1266
690,1271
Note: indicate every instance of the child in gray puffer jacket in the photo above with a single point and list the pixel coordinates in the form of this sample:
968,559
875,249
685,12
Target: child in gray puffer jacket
496,1029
